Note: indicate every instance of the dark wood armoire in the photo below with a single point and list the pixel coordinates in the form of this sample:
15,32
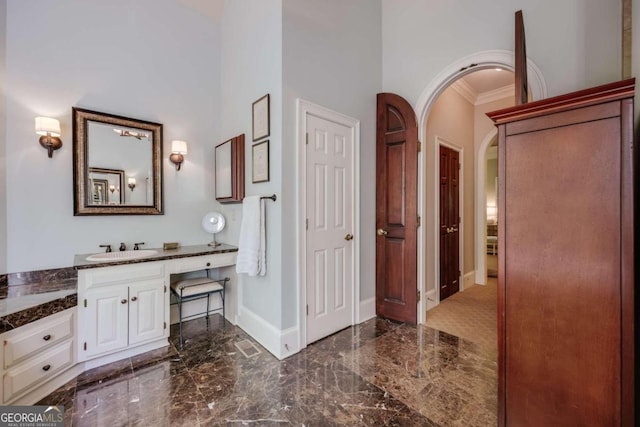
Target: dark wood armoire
566,260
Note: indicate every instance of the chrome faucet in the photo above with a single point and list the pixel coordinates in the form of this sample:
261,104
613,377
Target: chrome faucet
106,246
123,247
136,247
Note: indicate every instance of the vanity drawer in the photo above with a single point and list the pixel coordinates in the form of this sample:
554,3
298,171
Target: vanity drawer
183,265
122,274
37,370
28,340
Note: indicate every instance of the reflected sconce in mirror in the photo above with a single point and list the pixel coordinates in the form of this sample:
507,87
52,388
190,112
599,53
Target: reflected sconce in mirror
131,182
49,131
178,150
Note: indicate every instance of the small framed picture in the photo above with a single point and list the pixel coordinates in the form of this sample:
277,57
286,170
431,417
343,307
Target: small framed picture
260,118
260,162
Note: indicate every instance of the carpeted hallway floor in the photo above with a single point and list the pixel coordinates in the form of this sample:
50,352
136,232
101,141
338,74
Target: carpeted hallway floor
471,314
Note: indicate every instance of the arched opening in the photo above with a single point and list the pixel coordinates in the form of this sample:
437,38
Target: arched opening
428,250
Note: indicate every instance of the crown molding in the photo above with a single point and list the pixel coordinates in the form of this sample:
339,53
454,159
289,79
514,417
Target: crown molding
464,90
496,94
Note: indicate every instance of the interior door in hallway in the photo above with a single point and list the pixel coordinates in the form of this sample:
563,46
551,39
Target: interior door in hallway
330,241
449,222
396,209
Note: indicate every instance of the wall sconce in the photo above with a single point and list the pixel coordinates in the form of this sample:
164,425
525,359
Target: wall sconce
178,149
49,129
112,188
131,183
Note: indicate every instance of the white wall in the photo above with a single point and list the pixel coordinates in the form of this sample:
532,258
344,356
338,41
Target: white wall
251,66
156,60
576,43
332,57
3,138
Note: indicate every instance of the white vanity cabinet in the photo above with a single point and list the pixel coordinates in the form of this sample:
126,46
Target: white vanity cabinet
120,308
123,310
34,354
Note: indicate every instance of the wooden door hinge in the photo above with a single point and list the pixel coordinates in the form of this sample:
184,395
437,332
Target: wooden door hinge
418,297
85,346
419,147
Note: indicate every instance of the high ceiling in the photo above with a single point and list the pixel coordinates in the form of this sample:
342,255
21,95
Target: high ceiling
487,80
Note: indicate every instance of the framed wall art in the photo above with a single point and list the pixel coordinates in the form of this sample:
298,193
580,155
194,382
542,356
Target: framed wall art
260,118
260,162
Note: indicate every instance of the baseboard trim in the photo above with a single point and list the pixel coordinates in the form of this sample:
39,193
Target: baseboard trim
468,279
432,300
367,310
280,343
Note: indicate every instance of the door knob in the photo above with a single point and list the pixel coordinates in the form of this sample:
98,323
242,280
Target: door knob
134,298
382,232
123,301
348,237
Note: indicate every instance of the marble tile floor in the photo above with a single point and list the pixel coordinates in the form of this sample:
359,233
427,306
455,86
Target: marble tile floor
378,373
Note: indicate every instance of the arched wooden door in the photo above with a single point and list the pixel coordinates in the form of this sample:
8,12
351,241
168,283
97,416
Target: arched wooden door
396,209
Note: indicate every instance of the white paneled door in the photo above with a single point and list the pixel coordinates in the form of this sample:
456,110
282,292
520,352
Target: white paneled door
330,244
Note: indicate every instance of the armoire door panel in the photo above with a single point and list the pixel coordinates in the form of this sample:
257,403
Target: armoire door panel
563,245
565,269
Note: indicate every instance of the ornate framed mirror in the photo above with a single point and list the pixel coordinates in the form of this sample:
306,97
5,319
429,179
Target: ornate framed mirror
109,151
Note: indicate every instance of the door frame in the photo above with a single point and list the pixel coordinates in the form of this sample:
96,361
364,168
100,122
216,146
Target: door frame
304,108
444,143
481,210
465,65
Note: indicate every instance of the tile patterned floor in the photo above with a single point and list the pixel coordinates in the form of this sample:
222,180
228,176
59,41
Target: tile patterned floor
378,373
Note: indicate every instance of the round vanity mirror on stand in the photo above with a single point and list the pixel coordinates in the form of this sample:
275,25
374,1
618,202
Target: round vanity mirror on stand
213,222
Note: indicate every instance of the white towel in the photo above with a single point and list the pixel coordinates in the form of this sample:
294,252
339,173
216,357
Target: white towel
252,243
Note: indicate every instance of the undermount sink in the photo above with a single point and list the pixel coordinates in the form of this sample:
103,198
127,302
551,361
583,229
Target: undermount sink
122,255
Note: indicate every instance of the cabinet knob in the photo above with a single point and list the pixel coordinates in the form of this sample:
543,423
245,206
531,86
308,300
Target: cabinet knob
208,264
46,337
134,298
46,367
124,301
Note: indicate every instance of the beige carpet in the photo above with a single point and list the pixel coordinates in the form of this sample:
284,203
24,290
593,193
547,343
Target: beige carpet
471,314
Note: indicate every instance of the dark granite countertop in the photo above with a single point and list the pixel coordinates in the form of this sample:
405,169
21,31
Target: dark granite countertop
43,293
80,261
25,303
60,302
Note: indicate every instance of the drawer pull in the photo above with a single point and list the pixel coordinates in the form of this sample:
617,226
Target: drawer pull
46,367
46,337
123,301
134,298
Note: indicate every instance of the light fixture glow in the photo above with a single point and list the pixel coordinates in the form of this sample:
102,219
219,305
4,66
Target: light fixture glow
178,150
131,182
49,131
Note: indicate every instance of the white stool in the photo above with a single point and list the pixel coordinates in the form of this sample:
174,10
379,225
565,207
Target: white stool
193,289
